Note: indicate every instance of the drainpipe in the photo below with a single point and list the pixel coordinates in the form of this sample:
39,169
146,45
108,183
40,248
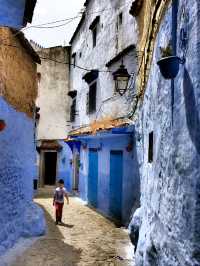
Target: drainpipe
174,44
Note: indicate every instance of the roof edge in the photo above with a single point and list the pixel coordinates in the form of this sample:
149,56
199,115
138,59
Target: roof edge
120,55
27,46
78,28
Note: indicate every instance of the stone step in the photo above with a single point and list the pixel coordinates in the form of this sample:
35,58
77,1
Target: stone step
46,191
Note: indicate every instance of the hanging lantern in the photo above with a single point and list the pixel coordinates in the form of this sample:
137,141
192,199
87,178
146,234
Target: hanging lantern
2,125
121,78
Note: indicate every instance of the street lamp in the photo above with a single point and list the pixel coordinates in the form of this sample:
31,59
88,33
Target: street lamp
121,78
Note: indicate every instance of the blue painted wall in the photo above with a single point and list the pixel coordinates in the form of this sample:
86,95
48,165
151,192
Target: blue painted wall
170,185
131,181
12,13
92,194
64,166
19,216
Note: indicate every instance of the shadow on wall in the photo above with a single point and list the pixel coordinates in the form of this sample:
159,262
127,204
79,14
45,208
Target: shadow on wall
193,123
136,177
192,115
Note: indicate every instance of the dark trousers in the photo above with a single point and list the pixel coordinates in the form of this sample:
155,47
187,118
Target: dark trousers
59,210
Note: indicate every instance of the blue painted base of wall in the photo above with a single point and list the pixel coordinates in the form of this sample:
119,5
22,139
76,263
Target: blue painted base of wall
19,216
64,166
130,180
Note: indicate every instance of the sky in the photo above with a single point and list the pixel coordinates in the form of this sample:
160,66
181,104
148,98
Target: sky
50,11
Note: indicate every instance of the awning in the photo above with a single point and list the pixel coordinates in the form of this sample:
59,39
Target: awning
73,143
116,125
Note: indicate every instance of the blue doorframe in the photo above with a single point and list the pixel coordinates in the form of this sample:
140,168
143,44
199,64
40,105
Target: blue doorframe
93,178
116,176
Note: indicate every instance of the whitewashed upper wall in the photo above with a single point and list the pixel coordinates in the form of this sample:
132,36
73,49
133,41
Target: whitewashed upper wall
52,96
110,42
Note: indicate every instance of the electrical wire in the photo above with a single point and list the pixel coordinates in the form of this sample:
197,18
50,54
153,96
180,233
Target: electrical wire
59,62
69,20
78,16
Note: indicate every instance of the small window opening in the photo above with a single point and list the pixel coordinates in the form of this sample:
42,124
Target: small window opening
74,59
120,18
94,36
94,28
151,148
73,111
91,101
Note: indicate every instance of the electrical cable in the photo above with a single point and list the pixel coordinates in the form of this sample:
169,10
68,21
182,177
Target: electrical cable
78,16
59,62
40,26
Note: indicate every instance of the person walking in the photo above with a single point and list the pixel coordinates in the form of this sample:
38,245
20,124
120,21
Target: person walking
58,201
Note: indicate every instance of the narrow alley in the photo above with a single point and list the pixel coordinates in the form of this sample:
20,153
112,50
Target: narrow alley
100,100
86,238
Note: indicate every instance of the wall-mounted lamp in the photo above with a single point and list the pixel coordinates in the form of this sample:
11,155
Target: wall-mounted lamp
121,78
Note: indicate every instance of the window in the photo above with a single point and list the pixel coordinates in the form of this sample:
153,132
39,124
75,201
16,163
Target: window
74,59
94,28
73,111
94,36
91,101
120,19
150,151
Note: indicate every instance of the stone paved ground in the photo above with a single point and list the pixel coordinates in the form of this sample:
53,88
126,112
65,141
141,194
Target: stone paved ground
87,239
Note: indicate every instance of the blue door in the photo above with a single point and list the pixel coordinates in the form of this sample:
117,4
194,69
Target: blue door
116,175
93,177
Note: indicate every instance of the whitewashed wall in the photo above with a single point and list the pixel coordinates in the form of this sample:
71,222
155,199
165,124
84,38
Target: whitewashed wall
110,42
52,96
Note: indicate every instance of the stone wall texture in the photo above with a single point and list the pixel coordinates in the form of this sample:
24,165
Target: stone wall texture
169,234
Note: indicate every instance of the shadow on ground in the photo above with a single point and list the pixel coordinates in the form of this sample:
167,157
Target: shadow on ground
50,250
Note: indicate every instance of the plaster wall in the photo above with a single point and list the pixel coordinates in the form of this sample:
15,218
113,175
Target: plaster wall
19,216
18,84
12,13
110,41
130,187
64,165
169,234
52,96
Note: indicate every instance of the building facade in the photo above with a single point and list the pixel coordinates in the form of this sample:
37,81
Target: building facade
16,13
168,126
102,139
52,115
19,216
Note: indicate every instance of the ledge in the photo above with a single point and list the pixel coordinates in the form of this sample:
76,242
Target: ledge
120,55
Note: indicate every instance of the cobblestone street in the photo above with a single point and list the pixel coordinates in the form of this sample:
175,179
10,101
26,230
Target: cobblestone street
86,239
